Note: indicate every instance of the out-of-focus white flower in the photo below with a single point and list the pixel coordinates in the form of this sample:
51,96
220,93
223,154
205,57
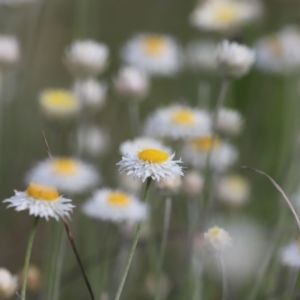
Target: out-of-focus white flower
233,190
170,185
217,238
8,284
229,122
233,59
155,162
278,53
66,174
132,83
178,122
34,278
116,206
91,93
192,183
290,255
222,154
225,15
42,201
87,57
94,140
59,104
9,50
138,144
154,53
130,184
200,55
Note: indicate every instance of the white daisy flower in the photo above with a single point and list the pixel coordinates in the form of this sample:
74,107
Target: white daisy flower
170,185
132,83
222,155
91,93
116,206
233,59
278,53
290,255
225,15
8,284
9,50
233,190
193,183
217,238
229,122
42,201
138,144
59,104
200,55
154,53
68,175
155,162
87,57
178,122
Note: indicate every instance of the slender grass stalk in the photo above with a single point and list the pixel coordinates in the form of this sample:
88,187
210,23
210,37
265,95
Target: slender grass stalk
134,243
27,258
224,279
167,217
71,239
134,116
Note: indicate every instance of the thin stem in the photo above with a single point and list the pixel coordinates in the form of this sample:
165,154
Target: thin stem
134,116
224,279
295,287
27,257
71,239
167,217
134,244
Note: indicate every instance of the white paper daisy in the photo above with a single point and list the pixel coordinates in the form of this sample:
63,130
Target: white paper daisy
178,122
153,53
155,162
222,155
290,255
8,284
138,144
217,238
71,176
42,201
116,206
229,122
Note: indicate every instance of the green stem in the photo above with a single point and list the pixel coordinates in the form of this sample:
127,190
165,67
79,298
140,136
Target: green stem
167,216
27,258
224,279
134,115
134,244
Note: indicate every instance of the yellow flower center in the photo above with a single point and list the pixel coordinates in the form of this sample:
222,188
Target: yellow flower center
226,13
118,199
42,192
275,46
154,45
60,99
65,166
214,232
206,143
183,117
153,156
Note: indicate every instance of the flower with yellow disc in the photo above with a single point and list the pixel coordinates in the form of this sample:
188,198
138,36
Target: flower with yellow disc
42,201
116,206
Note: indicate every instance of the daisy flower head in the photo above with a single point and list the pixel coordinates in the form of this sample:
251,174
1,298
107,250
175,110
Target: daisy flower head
225,15
58,104
170,185
42,201
290,255
137,144
233,190
68,175
9,50
277,53
229,122
34,278
91,93
116,206
86,58
154,162
218,239
8,284
156,54
178,122
132,83
222,154
234,60
192,183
